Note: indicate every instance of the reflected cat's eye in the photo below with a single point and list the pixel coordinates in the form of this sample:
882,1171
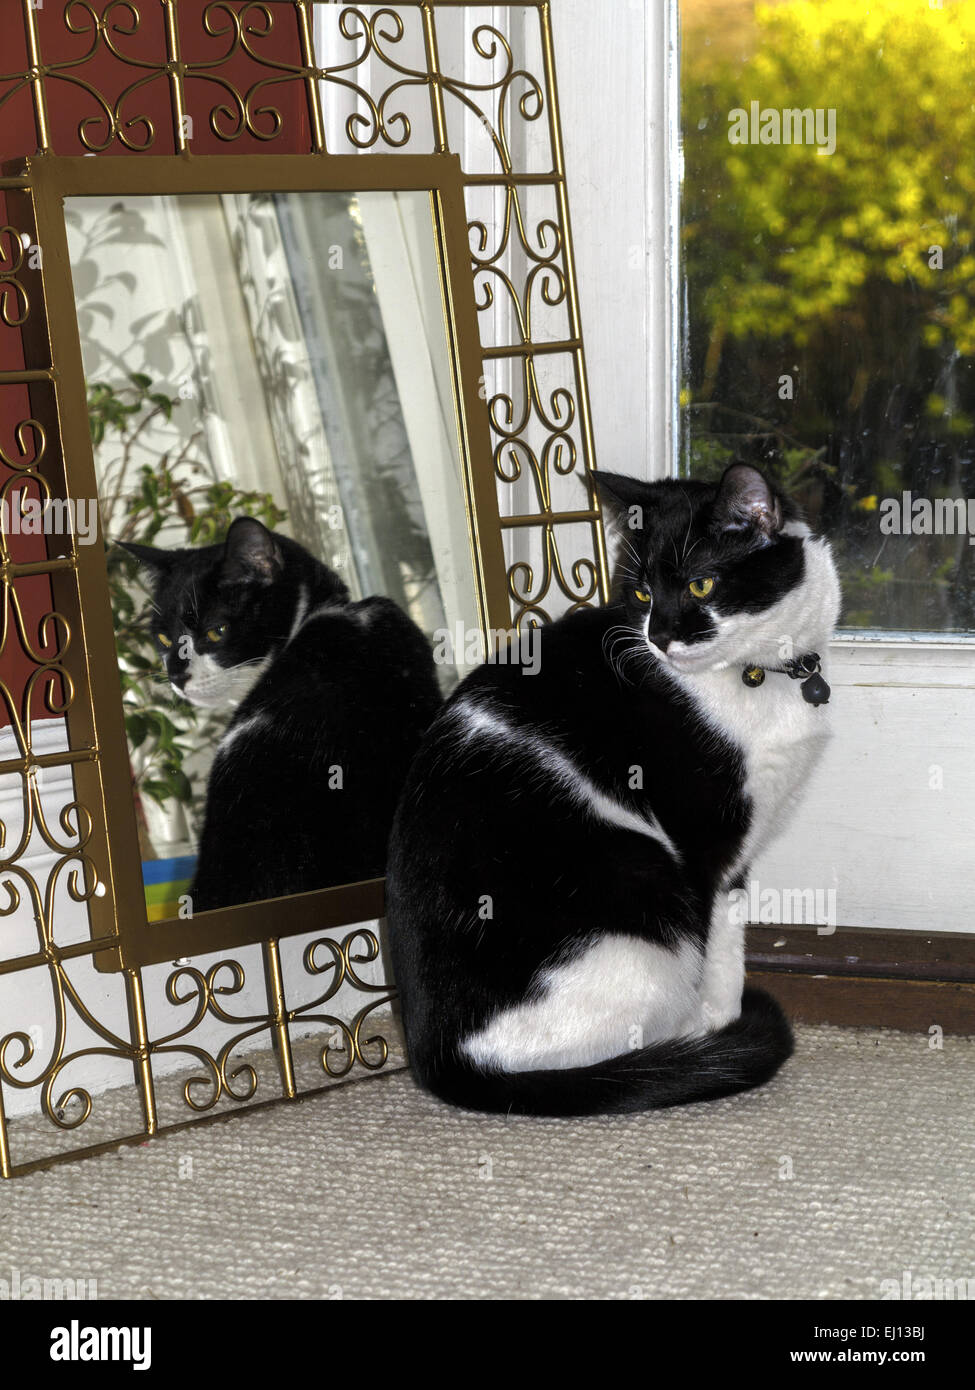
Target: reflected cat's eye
164,640
215,634
642,595
700,588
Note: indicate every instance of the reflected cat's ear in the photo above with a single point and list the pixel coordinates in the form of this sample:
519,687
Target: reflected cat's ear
251,553
746,502
149,556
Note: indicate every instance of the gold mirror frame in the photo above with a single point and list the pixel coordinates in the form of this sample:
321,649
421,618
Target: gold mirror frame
101,766
516,444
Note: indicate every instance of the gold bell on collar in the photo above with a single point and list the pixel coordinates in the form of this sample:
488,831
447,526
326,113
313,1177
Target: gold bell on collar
753,676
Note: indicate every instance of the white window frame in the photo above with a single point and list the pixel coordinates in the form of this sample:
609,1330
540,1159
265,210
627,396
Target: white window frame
898,851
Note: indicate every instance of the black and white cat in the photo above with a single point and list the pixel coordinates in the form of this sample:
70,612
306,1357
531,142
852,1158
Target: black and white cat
561,859
332,698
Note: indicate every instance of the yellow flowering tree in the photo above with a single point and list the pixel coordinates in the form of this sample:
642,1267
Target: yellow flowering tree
831,326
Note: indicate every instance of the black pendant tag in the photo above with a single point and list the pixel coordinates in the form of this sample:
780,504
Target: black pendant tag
815,691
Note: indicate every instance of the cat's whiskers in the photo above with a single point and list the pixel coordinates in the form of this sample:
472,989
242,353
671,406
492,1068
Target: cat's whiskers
251,661
637,652
611,640
632,549
690,552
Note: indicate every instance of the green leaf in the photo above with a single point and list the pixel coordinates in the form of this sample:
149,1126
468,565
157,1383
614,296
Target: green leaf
136,729
163,403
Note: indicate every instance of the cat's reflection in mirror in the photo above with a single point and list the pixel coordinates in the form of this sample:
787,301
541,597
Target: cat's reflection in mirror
331,699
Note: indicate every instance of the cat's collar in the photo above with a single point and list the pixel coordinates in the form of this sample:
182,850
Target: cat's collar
815,691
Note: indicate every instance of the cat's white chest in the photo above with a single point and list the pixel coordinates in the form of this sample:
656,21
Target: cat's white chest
780,736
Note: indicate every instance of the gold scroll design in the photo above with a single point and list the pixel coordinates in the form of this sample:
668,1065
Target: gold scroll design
14,300
107,28
341,959
74,821
528,594
71,1107
256,21
546,279
376,36
384,28
488,42
207,991
54,630
241,111
19,82
559,455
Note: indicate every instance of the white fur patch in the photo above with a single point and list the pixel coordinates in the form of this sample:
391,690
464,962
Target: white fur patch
779,733
236,731
618,995
723,975
570,779
301,608
212,686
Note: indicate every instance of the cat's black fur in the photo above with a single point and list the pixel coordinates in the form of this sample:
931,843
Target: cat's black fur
484,826
339,685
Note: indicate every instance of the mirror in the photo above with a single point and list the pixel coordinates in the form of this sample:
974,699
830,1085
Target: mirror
274,429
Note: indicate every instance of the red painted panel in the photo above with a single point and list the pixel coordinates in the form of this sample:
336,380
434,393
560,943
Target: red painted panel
274,100
87,84
17,137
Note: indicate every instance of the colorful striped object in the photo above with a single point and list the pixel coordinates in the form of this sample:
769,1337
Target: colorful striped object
166,880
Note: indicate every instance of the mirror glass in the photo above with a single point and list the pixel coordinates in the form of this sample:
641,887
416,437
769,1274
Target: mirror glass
273,419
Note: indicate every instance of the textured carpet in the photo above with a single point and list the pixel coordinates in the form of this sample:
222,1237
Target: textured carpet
855,1165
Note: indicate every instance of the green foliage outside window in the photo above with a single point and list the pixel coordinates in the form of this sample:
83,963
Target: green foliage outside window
852,274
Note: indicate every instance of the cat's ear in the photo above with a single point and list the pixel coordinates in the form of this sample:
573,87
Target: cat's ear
150,556
619,495
251,553
746,502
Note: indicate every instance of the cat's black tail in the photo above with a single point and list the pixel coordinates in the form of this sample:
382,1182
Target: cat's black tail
746,1053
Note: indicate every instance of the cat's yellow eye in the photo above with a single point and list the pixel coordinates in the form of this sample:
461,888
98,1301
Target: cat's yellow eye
166,641
700,588
215,634
641,595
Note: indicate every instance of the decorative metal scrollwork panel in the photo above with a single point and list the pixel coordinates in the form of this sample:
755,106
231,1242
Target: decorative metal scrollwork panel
374,80
126,107
517,252
339,1005
212,1032
66,1058
497,96
199,1037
